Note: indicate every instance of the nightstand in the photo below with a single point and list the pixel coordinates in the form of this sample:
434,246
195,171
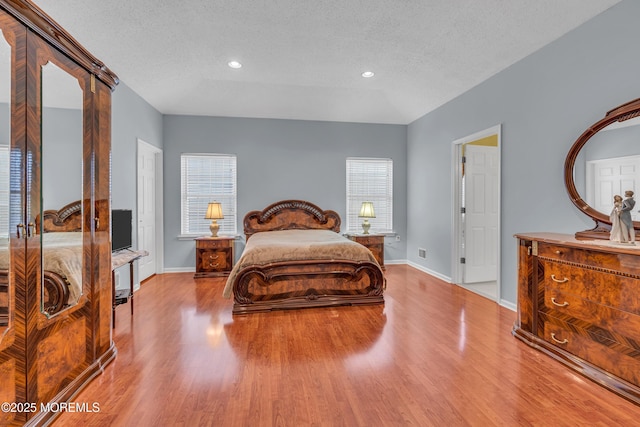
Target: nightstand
373,242
214,256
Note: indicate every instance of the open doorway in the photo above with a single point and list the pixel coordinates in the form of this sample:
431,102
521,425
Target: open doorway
476,212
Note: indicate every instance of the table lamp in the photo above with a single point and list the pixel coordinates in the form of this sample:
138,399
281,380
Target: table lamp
366,212
214,212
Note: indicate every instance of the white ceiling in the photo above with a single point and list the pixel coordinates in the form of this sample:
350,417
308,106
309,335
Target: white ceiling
303,59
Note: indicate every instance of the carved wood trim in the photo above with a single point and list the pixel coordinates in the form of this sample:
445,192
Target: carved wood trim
67,218
290,215
41,23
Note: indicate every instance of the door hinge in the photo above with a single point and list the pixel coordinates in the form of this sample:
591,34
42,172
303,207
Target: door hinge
463,210
463,260
464,159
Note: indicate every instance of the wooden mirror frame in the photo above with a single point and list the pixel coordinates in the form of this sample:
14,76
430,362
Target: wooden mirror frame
603,223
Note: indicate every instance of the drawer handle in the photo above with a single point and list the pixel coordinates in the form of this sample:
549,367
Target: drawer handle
213,257
553,337
564,304
553,277
558,252
213,265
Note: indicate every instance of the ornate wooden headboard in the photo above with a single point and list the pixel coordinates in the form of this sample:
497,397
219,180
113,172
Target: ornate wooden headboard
68,218
291,215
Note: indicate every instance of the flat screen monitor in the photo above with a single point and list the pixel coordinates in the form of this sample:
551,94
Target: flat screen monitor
121,229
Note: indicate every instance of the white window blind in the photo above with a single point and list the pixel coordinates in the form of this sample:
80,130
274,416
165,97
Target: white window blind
4,191
207,178
370,180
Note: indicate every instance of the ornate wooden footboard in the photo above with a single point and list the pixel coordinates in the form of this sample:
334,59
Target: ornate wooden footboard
303,283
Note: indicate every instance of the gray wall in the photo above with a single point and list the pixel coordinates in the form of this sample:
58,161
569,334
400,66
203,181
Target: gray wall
280,159
132,118
544,103
62,157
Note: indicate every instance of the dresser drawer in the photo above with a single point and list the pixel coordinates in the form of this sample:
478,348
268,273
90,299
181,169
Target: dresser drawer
561,253
590,257
620,326
615,358
603,288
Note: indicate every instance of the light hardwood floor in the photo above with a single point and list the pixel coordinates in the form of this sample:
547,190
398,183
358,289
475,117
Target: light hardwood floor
433,355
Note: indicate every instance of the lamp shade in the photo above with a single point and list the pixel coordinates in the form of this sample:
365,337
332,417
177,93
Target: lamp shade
366,210
214,211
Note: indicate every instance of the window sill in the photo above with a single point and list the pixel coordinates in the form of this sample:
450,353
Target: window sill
193,236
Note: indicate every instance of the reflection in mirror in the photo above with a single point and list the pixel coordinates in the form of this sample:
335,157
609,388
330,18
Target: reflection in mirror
60,224
5,173
609,164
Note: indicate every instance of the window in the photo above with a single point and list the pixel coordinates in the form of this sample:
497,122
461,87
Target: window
370,180
206,178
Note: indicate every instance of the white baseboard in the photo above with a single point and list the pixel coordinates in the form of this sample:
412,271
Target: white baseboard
395,261
430,272
508,304
180,270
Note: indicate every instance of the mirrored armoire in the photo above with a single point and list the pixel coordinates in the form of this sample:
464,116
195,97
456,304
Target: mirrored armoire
55,250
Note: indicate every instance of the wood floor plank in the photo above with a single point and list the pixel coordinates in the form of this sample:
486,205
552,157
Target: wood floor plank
434,354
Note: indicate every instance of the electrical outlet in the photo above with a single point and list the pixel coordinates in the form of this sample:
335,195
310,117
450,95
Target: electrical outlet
422,253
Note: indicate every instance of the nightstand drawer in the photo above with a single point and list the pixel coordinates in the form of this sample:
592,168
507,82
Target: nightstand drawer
214,256
214,260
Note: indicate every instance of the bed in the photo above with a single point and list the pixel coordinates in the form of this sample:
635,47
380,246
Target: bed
296,258
63,254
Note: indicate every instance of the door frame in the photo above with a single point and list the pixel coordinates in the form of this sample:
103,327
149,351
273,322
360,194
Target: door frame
456,191
159,211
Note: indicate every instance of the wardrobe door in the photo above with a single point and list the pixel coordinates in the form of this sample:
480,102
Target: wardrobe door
59,331
12,214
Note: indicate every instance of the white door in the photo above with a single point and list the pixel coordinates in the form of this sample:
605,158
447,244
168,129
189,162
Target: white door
480,214
610,177
146,209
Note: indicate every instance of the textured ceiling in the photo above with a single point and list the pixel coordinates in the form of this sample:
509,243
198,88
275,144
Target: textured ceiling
303,59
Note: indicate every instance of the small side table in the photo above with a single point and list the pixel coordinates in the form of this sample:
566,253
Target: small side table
120,259
214,256
373,242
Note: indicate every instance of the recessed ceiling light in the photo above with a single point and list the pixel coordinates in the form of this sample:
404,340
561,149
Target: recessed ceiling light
234,64
368,74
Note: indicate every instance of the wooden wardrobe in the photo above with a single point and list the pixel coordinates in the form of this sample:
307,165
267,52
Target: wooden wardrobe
47,357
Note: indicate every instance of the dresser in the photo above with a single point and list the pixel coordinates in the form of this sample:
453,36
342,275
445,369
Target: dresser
373,242
214,256
579,302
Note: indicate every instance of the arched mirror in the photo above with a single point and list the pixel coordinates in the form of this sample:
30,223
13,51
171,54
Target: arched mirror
60,225
604,162
5,174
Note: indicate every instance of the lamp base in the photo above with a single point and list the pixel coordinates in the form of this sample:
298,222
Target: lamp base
366,226
214,227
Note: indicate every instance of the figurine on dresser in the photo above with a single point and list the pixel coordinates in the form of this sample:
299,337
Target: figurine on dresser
625,216
619,231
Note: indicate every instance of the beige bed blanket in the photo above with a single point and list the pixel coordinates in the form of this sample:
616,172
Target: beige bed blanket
294,245
62,255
